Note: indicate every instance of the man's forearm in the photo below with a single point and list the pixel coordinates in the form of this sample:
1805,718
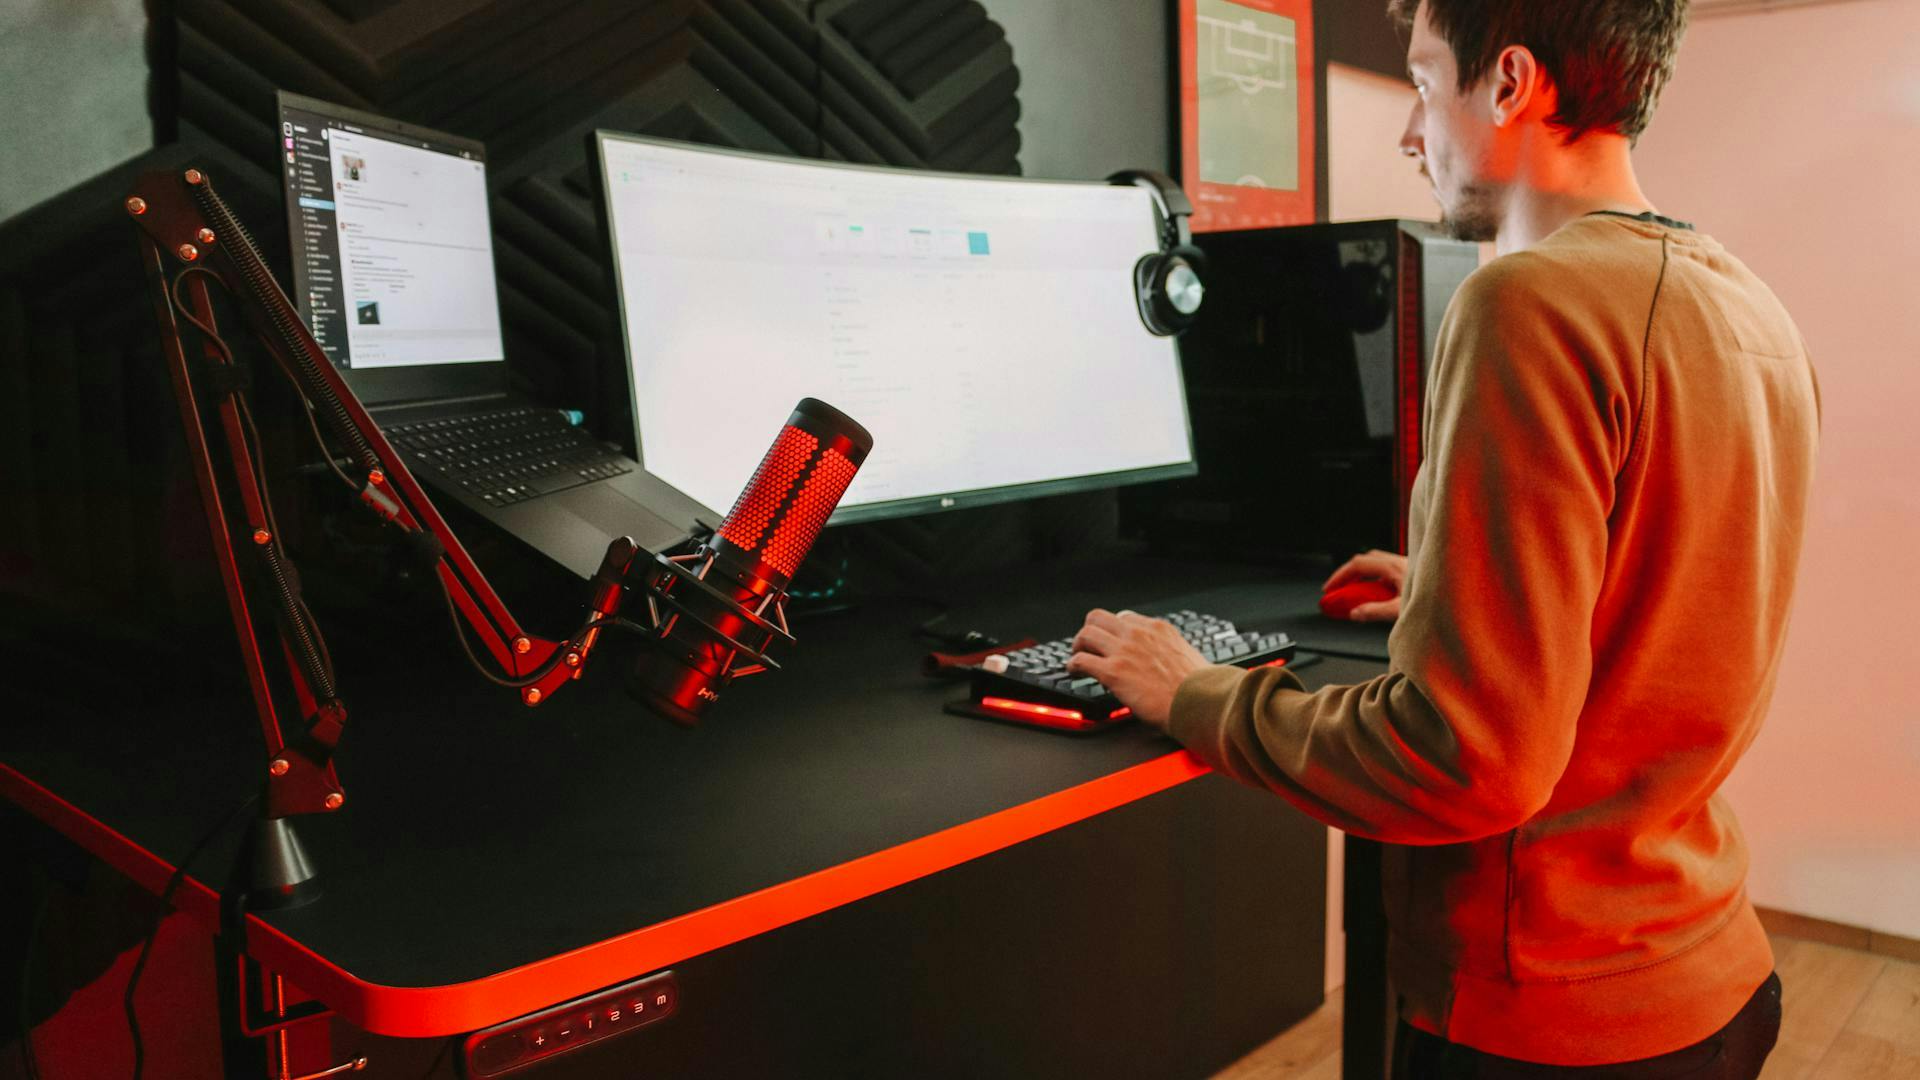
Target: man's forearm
1376,759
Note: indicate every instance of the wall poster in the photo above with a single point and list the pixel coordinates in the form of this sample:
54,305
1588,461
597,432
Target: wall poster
1247,112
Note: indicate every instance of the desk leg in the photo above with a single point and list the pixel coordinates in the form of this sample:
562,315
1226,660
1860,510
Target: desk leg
1366,1021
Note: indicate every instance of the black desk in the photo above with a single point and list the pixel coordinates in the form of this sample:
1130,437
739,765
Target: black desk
844,878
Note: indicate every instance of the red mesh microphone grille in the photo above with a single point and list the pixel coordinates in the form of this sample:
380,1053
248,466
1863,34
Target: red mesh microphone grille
754,509
794,536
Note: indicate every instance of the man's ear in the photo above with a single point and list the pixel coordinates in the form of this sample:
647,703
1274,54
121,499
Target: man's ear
1515,83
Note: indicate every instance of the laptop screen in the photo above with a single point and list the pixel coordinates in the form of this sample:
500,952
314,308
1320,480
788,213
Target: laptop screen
391,243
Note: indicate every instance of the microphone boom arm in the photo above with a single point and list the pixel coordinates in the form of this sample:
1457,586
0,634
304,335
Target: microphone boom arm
188,235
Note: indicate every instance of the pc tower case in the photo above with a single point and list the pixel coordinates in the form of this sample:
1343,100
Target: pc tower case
1305,378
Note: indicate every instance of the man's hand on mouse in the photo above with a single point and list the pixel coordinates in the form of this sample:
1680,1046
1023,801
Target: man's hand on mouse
1142,661
1383,566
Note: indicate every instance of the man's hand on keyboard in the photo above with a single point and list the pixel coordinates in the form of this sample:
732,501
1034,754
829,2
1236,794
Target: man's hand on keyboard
1141,660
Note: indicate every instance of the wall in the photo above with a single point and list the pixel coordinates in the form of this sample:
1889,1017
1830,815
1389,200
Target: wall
1094,78
1794,138
1352,40
74,79
1367,176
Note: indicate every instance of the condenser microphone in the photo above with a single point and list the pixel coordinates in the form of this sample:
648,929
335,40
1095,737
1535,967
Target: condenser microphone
726,603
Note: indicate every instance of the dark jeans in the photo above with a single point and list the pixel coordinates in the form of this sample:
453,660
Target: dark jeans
1735,1052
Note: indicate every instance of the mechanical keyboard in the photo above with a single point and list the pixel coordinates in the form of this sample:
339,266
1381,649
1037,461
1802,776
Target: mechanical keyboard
1032,686
508,456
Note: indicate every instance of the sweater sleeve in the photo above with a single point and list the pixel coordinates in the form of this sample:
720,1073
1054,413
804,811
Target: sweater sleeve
1530,419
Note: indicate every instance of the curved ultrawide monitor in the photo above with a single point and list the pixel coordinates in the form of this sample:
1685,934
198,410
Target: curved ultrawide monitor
984,329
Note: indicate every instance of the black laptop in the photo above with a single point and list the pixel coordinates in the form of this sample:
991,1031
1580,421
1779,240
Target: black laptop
393,272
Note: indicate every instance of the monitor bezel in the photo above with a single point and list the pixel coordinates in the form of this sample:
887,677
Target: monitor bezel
919,504
414,382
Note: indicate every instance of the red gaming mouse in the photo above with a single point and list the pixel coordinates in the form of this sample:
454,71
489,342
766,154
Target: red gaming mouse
1339,603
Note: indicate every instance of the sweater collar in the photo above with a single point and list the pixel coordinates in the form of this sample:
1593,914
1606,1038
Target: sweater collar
1647,216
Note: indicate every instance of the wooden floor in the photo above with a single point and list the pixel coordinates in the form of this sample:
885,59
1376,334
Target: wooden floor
1847,1015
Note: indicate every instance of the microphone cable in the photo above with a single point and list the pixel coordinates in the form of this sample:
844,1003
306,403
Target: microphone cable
293,379
309,646
166,899
559,653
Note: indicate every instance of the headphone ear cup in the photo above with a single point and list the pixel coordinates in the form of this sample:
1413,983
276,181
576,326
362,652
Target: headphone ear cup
1144,273
1176,288
1194,256
1149,289
1169,287
1187,292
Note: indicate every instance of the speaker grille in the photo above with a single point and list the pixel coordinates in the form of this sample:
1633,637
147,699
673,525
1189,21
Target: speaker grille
755,508
794,536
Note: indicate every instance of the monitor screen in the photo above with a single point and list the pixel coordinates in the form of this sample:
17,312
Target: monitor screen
984,329
392,248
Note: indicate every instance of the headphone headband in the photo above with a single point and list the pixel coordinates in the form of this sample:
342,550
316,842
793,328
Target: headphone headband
1175,207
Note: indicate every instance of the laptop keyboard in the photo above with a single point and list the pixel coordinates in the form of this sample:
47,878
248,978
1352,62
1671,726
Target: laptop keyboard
510,455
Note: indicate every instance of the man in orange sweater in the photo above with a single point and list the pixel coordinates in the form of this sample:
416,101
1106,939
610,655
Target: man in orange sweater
1619,438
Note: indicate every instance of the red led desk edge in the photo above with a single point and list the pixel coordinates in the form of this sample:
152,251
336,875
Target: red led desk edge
428,1012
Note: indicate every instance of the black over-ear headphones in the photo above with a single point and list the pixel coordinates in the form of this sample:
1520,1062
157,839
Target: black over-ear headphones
1168,283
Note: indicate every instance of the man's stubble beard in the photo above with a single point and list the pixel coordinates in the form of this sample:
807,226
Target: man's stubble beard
1475,215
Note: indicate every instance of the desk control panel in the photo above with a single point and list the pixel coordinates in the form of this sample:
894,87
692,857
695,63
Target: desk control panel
516,1044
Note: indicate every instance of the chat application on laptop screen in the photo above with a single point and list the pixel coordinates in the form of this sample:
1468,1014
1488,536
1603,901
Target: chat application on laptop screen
392,247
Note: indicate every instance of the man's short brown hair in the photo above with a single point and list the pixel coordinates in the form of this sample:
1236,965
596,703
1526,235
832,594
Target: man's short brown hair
1609,59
